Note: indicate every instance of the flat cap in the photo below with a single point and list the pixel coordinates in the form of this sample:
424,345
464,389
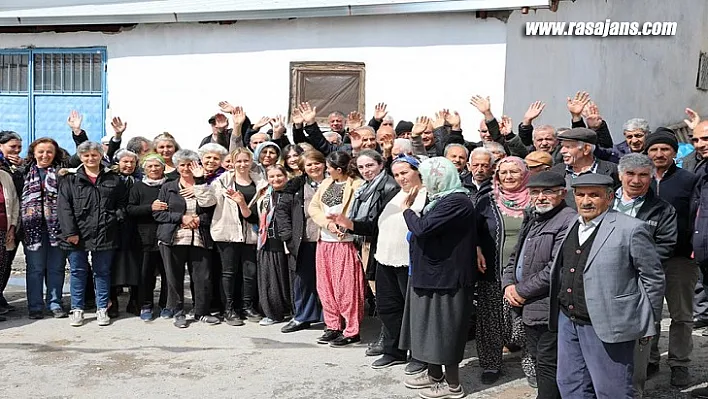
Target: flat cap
579,134
538,158
546,180
592,180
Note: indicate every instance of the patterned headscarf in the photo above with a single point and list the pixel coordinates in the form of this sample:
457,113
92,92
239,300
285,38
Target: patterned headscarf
440,179
512,203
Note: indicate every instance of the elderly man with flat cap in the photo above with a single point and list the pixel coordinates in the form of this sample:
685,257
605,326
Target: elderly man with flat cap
607,287
526,278
577,148
539,161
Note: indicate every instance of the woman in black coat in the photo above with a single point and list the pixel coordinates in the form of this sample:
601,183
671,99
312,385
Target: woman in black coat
300,234
184,238
142,202
443,273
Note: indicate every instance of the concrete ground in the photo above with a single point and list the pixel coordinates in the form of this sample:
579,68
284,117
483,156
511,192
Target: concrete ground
50,359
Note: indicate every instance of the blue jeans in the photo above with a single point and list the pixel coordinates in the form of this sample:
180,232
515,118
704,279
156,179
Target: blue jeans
45,261
101,265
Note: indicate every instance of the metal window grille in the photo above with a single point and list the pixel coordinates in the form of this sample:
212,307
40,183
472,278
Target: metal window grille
68,73
702,79
13,73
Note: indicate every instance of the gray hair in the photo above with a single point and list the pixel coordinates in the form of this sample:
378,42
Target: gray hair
404,144
494,146
367,128
136,144
456,145
88,146
267,138
333,134
482,151
126,153
542,127
636,124
212,148
338,113
388,118
634,161
184,155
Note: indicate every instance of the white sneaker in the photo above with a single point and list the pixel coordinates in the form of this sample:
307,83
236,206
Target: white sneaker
267,321
76,317
102,317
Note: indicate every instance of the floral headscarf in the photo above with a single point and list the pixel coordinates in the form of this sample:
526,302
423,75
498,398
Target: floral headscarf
512,203
440,178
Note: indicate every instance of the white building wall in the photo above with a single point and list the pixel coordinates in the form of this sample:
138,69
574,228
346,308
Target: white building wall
628,77
171,77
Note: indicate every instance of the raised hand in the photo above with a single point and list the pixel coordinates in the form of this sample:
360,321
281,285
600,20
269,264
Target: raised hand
308,113
236,196
196,169
440,118
354,121
693,118
118,126
410,198
297,118
74,121
355,139
226,107
278,126
592,115
421,124
261,122
239,117
453,118
577,104
380,111
158,205
483,105
533,112
506,126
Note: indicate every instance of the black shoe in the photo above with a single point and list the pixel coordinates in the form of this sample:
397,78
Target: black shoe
252,315
3,318
532,382
700,393
180,320
133,308
294,325
415,367
113,311
490,377
652,370
680,376
344,341
700,323
386,361
233,319
208,320
329,336
36,315
376,348
59,313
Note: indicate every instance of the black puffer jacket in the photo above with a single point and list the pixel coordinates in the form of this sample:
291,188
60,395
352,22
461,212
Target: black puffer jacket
542,235
140,199
91,211
170,220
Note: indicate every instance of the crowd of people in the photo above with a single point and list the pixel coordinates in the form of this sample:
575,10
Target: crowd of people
550,241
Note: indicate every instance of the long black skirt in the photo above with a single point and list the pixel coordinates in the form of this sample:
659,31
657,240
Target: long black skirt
274,284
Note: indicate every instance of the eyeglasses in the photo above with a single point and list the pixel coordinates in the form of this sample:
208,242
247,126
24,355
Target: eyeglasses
546,193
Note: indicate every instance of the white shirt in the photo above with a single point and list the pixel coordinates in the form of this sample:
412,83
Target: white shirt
585,230
392,247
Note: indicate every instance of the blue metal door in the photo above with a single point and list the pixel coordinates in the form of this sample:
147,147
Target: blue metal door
56,82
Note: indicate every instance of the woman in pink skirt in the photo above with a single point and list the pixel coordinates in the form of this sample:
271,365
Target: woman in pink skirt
340,276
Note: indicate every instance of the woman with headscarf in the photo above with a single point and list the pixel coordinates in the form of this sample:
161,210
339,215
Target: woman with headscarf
125,270
340,277
301,233
501,213
266,154
142,202
441,285
45,260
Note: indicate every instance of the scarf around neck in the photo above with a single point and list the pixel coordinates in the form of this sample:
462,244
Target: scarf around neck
512,203
364,197
153,183
39,206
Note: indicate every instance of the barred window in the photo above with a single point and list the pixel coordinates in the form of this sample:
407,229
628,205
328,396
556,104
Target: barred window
13,73
68,73
329,86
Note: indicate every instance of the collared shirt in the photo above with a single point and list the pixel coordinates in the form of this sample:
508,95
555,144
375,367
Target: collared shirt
629,208
573,174
585,230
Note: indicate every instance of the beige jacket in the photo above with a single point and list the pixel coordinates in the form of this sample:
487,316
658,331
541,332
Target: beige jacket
315,209
12,204
226,224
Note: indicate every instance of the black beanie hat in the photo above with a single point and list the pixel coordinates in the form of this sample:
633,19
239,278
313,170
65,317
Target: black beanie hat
403,127
662,135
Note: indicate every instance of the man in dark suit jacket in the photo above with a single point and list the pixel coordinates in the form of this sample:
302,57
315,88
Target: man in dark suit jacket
577,148
607,287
